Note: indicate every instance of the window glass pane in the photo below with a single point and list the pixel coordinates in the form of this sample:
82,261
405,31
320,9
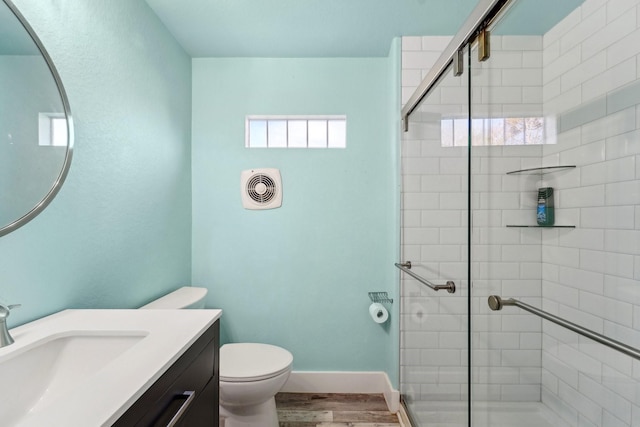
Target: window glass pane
514,131
534,130
297,133
277,136
460,133
59,132
477,132
446,132
337,137
258,133
496,131
486,135
317,133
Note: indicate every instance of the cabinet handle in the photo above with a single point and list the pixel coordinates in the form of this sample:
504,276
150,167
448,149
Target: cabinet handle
190,395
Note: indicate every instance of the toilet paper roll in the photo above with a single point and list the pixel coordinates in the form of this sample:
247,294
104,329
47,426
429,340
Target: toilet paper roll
378,313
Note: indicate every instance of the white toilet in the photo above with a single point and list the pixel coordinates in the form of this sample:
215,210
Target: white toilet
250,374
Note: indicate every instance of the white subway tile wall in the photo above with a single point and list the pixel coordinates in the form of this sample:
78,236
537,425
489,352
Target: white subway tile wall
589,274
582,77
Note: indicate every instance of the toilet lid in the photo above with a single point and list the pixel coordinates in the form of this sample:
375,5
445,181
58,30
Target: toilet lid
242,362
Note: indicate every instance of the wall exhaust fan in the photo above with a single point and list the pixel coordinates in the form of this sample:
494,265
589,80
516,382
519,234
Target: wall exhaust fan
261,189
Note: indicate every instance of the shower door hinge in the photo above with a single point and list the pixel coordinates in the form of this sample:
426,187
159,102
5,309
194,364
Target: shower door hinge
458,63
484,45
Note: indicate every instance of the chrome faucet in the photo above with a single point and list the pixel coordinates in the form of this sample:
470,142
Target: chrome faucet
5,337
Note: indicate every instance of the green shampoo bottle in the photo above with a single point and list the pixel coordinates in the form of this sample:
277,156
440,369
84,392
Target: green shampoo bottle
545,214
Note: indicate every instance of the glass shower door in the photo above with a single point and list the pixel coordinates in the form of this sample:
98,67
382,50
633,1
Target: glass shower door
434,368
506,135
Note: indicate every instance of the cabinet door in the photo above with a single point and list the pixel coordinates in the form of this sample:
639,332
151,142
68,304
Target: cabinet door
204,411
182,389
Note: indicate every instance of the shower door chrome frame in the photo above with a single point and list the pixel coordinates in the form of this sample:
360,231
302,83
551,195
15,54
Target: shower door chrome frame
480,17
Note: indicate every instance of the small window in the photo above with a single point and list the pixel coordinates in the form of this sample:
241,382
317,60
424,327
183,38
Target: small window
296,132
493,131
52,129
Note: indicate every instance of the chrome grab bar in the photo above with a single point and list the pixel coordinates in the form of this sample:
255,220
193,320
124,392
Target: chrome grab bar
496,303
405,267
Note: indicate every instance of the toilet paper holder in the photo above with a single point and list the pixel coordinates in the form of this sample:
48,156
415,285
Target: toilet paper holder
380,297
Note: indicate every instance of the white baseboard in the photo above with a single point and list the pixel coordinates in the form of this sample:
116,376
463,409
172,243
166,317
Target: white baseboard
403,418
344,382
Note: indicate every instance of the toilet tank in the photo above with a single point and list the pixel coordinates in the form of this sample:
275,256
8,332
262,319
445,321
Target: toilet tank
185,297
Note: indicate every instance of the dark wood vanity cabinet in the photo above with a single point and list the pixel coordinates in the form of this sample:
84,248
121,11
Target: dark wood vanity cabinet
186,394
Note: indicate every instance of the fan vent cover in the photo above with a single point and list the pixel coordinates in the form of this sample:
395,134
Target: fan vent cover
261,189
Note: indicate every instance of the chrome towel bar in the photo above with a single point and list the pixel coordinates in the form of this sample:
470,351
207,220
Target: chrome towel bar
405,267
496,303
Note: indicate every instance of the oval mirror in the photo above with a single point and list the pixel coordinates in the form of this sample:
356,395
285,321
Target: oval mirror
36,132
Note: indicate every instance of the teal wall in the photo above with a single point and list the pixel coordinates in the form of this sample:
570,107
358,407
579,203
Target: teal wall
118,233
298,276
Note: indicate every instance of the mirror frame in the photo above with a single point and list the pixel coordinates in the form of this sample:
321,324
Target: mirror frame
39,207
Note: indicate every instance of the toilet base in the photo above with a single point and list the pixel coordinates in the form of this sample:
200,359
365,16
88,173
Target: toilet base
261,415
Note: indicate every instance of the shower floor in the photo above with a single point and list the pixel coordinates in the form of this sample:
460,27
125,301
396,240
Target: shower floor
485,414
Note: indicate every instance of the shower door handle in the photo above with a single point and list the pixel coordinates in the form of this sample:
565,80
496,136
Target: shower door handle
405,267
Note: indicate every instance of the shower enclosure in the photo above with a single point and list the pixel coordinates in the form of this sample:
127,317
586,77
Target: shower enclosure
529,95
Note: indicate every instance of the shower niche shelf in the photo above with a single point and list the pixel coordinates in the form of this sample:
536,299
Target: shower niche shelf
541,226
541,171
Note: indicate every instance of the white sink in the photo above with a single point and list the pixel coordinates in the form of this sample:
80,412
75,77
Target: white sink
53,367
81,368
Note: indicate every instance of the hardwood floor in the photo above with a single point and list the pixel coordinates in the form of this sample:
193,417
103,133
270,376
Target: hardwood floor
334,410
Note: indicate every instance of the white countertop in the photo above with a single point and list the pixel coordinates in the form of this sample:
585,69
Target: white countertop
101,398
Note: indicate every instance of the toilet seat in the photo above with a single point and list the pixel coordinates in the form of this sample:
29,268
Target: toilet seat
246,362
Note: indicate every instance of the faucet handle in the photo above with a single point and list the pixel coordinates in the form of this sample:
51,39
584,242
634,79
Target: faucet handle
6,310
5,336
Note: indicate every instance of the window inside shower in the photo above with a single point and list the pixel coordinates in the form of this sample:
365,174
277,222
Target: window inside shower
492,131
